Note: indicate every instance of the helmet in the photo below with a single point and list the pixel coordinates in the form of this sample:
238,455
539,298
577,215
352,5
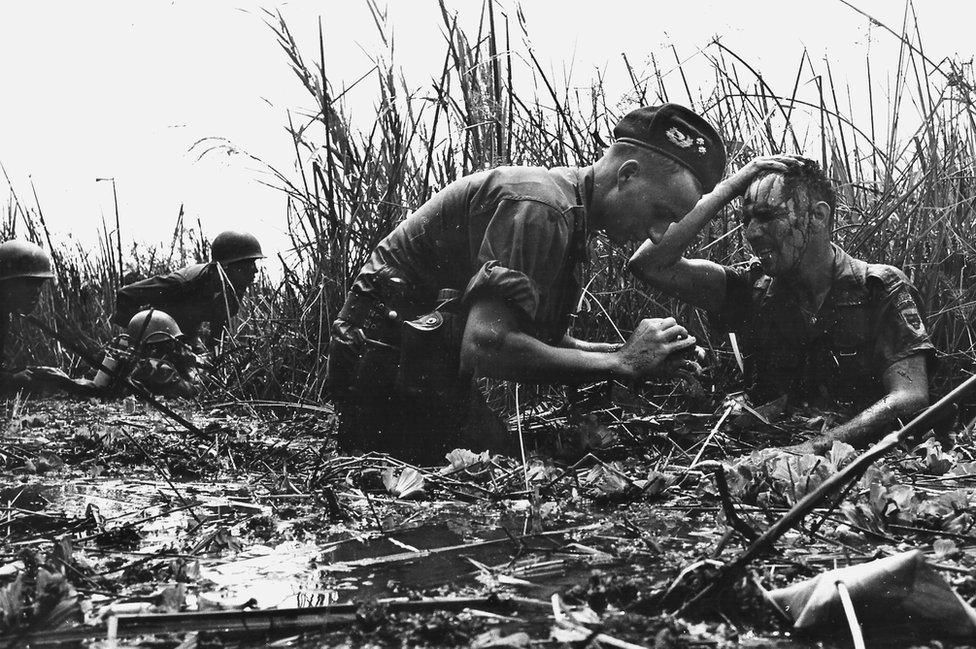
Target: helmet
230,246
153,325
19,258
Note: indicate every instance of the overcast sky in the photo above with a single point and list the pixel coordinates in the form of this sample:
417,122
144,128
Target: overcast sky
123,89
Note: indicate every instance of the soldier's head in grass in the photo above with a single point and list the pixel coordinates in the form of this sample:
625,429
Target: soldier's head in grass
155,334
237,253
24,267
662,160
787,217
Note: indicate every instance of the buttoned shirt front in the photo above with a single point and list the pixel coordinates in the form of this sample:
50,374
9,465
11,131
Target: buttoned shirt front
869,320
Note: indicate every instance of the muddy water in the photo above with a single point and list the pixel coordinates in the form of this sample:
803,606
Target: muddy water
442,551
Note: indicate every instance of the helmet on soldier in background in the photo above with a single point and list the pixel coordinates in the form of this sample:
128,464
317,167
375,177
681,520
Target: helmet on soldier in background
152,326
20,258
230,246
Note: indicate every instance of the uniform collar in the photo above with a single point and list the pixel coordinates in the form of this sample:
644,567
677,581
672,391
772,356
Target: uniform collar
849,273
584,188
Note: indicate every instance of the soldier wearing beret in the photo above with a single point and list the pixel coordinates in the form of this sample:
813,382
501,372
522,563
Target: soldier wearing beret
814,322
482,279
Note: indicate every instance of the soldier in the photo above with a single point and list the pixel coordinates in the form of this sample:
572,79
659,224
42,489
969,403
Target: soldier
199,293
152,352
481,281
24,268
815,323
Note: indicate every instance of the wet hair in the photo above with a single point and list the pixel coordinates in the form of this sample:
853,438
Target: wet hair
809,176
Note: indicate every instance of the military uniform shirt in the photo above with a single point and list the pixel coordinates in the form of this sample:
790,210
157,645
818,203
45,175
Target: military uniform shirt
869,320
514,232
191,296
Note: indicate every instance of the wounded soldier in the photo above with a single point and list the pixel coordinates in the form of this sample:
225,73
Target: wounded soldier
814,323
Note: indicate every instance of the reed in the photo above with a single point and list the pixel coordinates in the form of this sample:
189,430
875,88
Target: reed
902,163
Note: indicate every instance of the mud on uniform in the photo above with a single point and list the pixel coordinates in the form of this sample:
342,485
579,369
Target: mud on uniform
869,320
518,233
192,295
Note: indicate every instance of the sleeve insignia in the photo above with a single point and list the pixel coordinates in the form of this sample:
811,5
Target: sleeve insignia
909,312
913,320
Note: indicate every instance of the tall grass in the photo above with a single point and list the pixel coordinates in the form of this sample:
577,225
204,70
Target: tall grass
905,194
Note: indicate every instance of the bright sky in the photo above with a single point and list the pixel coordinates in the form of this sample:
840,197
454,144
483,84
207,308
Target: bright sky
115,88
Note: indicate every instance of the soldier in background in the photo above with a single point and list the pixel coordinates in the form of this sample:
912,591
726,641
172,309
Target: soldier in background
202,293
152,352
24,268
815,323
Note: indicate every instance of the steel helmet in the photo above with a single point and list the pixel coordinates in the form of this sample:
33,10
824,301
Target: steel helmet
154,326
20,258
231,246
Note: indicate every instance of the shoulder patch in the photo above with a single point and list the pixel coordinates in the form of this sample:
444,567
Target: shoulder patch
908,312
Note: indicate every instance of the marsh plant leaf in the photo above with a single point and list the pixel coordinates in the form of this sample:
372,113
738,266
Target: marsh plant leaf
964,468
404,485
944,548
494,639
461,458
932,459
840,455
607,480
774,477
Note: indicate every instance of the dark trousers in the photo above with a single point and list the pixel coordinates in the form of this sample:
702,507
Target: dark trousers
379,410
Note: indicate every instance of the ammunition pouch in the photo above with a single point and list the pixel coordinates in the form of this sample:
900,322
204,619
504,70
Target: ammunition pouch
375,352
430,354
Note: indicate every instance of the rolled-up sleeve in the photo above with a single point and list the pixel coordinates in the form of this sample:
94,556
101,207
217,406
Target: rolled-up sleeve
524,248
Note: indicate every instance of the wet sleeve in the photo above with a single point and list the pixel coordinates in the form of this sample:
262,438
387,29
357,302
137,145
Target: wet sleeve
737,309
523,251
901,328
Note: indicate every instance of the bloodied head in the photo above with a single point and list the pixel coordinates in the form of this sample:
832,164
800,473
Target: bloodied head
783,213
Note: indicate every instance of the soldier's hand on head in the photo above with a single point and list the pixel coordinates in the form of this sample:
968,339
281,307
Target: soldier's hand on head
737,183
648,352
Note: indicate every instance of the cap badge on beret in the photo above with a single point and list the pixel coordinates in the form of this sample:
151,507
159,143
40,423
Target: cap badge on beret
684,141
679,137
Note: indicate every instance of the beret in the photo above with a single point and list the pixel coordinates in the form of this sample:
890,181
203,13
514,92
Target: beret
680,134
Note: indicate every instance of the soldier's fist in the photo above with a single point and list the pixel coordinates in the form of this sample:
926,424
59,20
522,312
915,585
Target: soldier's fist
655,339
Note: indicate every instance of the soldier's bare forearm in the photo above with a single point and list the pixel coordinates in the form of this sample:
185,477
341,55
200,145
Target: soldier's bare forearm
569,342
520,357
651,257
494,346
868,426
872,423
